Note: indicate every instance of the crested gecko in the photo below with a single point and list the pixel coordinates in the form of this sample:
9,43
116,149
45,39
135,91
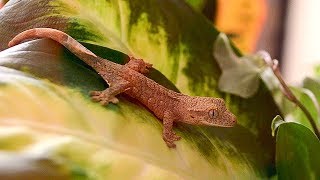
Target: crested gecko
167,105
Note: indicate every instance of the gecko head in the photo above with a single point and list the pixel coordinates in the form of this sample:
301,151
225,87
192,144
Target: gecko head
210,112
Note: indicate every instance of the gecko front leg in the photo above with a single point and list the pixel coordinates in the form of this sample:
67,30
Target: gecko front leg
169,136
109,95
138,65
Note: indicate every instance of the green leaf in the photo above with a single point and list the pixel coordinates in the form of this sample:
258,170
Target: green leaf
297,152
113,139
123,126
293,113
276,122
313,85
308,99
289,110
197,5
240,75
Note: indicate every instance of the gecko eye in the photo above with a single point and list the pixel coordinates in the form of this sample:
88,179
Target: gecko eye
211,113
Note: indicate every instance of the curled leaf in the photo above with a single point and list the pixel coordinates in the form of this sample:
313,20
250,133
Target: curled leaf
276,122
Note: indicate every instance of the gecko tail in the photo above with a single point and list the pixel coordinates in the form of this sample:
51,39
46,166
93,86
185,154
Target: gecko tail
54,34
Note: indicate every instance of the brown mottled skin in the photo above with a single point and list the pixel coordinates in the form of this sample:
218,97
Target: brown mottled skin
166,104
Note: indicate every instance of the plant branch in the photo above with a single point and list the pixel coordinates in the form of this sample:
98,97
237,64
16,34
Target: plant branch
273,64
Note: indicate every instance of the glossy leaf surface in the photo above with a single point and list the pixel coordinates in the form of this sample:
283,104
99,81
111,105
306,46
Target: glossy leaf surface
170,35
297,156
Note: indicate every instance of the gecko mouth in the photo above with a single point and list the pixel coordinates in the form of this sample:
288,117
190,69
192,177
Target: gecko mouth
227,120
216,124
231,120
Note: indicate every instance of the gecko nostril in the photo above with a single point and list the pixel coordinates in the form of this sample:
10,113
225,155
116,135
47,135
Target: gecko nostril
234,121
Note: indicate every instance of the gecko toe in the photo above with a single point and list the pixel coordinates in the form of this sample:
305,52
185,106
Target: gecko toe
144,71
94,93
148,65
103,97
104,102
176,137
96,98
171,145
114,100
169,139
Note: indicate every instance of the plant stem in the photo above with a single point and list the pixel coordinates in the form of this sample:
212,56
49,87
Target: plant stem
288,93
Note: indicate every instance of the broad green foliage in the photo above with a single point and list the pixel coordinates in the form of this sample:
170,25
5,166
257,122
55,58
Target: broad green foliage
71,138
297,152
55,114
114,129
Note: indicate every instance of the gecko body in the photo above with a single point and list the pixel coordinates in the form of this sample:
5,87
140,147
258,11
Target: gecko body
166,104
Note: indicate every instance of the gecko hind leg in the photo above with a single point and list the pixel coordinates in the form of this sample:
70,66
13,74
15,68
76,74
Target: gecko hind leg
138,65
104,97
109,95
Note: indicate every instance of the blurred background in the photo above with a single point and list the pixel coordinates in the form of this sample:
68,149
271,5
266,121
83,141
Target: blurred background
287,29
